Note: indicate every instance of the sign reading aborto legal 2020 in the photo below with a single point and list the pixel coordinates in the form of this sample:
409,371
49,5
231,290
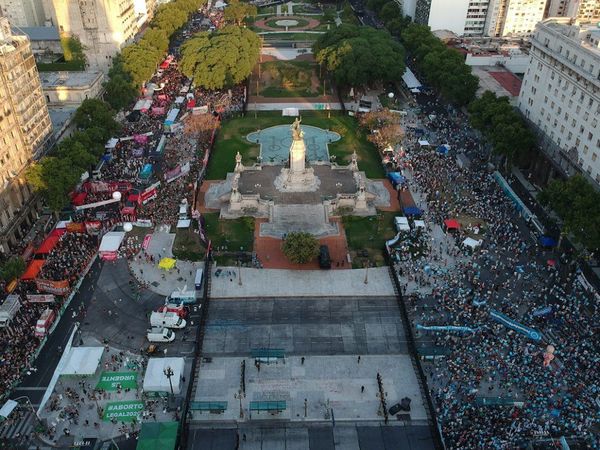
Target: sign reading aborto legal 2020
124,411
110,381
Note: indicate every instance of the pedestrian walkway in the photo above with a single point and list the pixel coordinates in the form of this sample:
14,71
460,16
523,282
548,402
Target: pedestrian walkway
305,283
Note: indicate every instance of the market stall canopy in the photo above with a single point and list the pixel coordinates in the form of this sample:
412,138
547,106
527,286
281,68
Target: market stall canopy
183,223
452,224
471,243
155,379
48,245
410,80
443,149
111,241
167,263
158,436
33,269
83,361
412,211
7,408
419,223
423,143
112,143
547,241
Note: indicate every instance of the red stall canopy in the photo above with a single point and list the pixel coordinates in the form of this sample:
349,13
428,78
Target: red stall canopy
452,224
79,198
48,244
33,269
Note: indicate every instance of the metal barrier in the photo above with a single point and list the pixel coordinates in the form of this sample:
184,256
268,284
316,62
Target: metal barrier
438,440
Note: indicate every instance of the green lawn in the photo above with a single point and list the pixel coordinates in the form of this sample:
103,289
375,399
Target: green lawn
367,236
232,138
61,66
297,37
288,79
230,235
188,246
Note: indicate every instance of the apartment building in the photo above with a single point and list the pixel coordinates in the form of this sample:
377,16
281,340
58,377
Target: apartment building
582,11
513,18
102,26
23,13
560,95
24,130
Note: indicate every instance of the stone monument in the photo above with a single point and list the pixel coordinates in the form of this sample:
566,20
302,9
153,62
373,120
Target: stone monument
298,178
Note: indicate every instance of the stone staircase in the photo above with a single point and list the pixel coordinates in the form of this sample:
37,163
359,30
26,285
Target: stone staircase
284,219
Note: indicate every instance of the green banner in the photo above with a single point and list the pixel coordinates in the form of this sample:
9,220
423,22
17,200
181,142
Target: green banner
110,381
123,411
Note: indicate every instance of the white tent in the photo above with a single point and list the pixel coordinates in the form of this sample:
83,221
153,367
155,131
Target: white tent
111,241
155,379
410,80
112,143
220,4
82,361
7,408
423,143
471,243
419,223
183,223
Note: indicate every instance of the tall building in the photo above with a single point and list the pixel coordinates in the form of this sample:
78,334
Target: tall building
560,95
513,18
102,26
23,13
443,14
471,18
24,129
580,10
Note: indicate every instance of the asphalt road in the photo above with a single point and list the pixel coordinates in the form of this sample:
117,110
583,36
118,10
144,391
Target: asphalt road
34,385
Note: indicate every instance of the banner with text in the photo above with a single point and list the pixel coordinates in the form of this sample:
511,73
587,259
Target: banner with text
125,411
111,381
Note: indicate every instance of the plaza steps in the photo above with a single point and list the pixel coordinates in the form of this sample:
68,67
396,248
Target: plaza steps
300,105
284,219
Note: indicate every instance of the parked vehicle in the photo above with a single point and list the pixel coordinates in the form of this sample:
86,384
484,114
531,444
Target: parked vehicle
44,323
181,310
167,320
199,279
157,334
182,297
324,258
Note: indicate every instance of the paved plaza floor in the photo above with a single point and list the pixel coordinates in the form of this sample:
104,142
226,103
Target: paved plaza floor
303,327
305,283
326,382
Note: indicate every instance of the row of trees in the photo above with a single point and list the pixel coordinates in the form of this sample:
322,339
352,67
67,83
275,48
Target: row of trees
578,204
360,56
502,126
55,176
222,58
444,68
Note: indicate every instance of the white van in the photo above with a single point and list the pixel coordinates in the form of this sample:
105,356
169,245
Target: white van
166,319
198,279
182,297
160,335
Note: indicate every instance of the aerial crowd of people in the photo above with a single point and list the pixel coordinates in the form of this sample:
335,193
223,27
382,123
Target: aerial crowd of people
124,163
492,386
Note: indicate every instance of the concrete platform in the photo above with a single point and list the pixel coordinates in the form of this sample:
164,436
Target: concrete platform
305,283
294,218
326,382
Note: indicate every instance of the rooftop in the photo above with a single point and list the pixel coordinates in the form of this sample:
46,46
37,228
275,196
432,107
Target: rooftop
38,33
68,79
587,36
60,118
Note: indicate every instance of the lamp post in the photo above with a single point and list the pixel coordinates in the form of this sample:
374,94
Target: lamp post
367,273
240,395
169,373
239,272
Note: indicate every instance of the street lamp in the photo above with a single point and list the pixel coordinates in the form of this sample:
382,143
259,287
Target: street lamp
240,395
169,373
239,272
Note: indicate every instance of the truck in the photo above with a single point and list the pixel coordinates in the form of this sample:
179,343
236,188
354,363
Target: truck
166,320
42,326
157,334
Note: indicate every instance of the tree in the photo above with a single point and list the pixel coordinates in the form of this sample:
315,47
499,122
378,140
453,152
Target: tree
140,61
203,123
220,59
389,12
95,113
237,12
156,38
72,48
13,268
578,204
76,153
300,247
360,56
54,178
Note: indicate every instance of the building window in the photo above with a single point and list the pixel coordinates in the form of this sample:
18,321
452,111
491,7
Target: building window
590,136
594,157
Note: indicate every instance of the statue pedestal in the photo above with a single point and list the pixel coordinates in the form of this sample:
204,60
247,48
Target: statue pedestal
297,181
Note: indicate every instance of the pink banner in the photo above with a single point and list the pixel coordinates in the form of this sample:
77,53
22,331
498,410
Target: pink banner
146,242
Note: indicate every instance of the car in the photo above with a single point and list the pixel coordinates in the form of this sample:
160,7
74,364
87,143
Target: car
324,258
218,272
404,405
